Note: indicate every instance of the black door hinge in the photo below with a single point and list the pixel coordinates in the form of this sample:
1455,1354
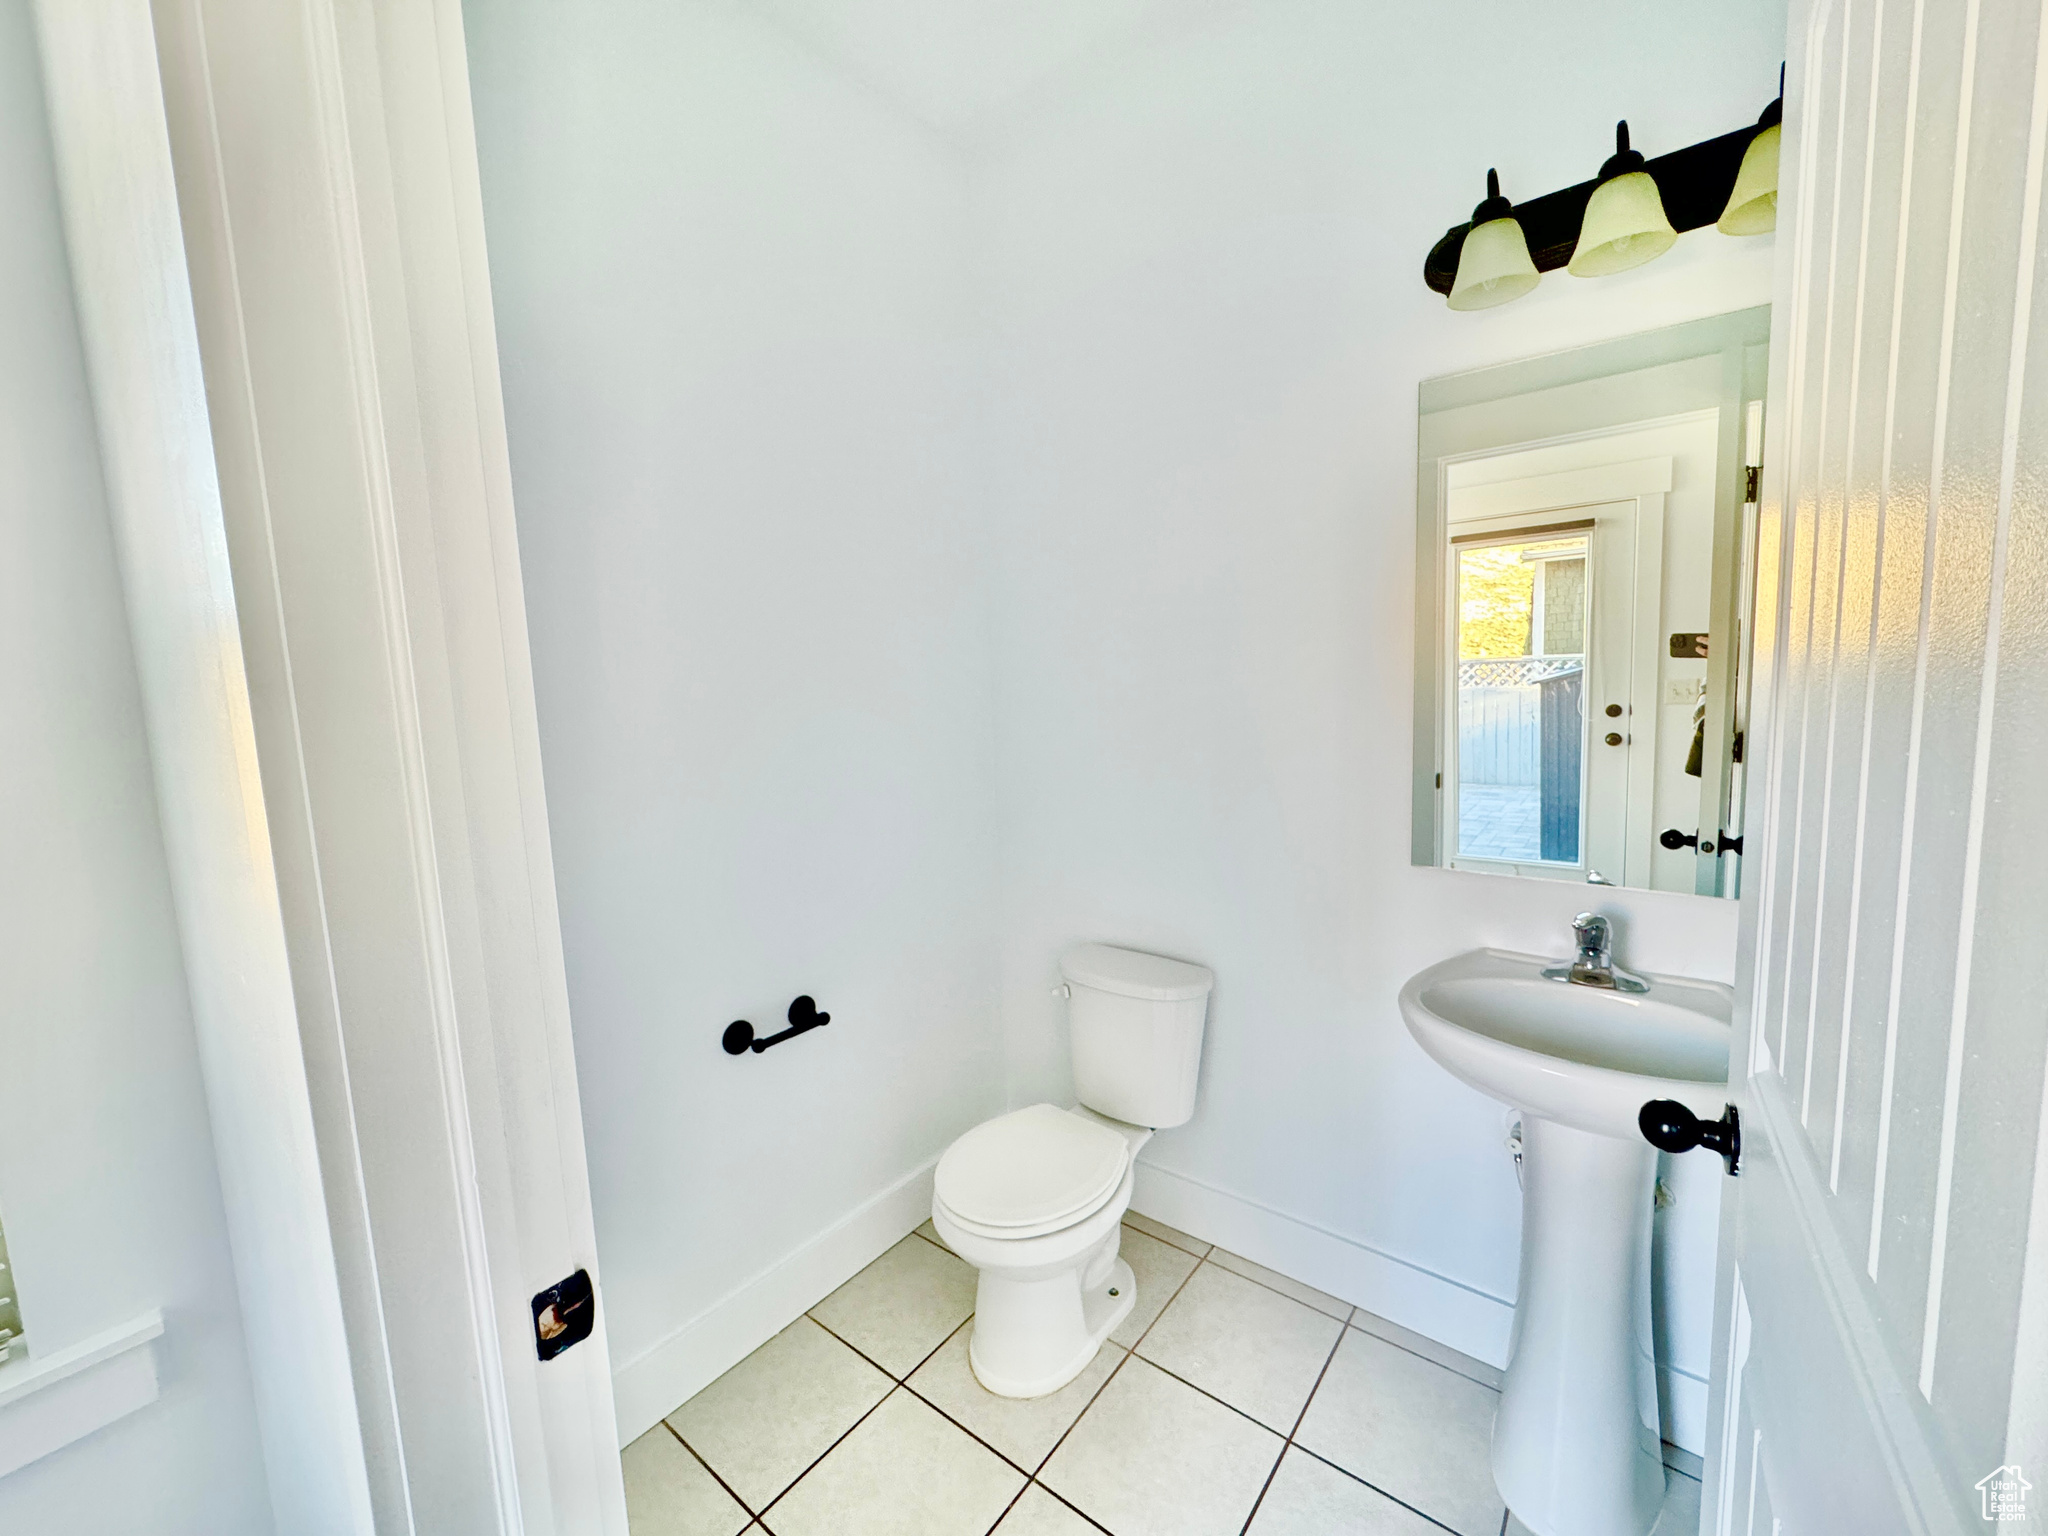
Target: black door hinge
563,1314
1752,482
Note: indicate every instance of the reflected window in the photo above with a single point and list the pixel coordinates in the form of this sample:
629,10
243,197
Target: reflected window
1521,648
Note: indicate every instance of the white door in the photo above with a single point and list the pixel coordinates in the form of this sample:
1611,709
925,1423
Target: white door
282,278
1883,1314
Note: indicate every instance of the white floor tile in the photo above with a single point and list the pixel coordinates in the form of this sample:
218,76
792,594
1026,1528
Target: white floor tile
1159,1268
1254,1348
1154,1457
1038,1513
1023,1429
1309,1498
930,1233
668,1492
901,1307
1417,1344
777,1411
1307,1295
904,1472
1166,1234
1420,1432
1680,1515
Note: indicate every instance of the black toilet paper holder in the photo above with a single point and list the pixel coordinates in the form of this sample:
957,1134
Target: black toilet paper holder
803,1017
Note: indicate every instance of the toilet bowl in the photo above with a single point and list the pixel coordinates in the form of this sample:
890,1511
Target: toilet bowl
1035,1199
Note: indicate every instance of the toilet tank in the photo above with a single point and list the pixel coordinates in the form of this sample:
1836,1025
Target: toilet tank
1136,1026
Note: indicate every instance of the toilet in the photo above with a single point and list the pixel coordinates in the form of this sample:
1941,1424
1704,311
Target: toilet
1034,1199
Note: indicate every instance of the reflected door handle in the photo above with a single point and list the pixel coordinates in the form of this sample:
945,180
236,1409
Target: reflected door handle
1674,839
1614,738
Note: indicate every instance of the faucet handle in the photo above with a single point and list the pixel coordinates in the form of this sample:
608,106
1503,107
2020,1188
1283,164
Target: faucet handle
1594,966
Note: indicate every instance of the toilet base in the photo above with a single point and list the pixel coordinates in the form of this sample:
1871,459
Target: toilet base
1043,1317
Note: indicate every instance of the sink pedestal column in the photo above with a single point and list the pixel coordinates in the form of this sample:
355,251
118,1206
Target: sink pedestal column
1575,1448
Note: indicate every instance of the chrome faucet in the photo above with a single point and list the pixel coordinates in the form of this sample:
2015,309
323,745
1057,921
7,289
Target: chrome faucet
1593,965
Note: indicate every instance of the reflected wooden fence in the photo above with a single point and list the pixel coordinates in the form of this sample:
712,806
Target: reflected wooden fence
1500,715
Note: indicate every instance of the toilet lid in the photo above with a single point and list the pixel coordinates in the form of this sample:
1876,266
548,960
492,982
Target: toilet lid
1030,1167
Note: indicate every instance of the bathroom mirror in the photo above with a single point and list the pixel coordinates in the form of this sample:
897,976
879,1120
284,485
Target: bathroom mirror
1586,528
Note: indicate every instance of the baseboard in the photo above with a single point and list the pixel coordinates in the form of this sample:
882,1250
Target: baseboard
1470,1321
1682,1400
661,1379
47,1403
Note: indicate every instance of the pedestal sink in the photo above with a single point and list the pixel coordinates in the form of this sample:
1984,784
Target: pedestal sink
1576,1442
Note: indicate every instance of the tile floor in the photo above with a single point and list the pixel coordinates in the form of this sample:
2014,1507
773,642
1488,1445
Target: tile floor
1232,1400
1500,821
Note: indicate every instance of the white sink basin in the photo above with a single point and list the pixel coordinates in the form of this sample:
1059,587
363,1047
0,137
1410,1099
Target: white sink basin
1576,1437
1582,1056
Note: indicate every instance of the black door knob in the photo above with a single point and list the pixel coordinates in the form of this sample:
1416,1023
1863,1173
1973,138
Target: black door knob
1674,839
1614,738
1669,1126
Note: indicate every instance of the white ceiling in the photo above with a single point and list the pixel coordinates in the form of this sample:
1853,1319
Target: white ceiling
957,63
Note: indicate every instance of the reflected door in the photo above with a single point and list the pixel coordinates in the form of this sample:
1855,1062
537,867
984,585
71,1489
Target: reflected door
1540,705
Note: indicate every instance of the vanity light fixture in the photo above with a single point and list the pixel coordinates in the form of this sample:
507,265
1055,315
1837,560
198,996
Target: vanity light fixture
1753,205
1625,222
1629,214
1494,264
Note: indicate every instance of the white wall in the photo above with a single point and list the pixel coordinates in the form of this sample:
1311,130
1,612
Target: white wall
1204,269
731,303
107,1179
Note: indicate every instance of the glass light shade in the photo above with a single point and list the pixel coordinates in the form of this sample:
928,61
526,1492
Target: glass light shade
1494,266
1625,226
1753,205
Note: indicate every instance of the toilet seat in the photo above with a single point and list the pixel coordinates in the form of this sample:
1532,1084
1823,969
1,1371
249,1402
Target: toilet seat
1029,1173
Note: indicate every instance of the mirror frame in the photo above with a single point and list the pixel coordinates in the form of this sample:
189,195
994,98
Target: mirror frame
1741,339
